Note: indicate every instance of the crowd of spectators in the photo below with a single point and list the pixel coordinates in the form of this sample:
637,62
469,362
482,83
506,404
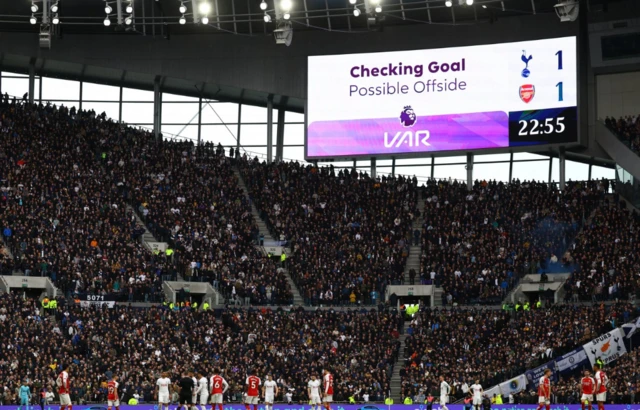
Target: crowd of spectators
465,345
478,243
350,234
360,347
628,130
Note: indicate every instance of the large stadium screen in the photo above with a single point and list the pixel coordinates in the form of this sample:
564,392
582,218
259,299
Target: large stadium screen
451,99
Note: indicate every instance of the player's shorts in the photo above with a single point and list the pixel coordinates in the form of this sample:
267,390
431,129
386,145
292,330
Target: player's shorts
65,400
477,401
587,397
113,403
194,399
444,400
24,401
327,398
542,399
204,398
216,398
601,397
163,398
251,399
315,400
185,399
268,398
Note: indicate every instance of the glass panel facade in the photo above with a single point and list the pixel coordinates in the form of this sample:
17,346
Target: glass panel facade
55,89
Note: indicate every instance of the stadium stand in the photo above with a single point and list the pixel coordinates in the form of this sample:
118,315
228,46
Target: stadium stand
627,129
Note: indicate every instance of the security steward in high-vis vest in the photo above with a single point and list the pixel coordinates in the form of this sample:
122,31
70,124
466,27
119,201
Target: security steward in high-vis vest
408,400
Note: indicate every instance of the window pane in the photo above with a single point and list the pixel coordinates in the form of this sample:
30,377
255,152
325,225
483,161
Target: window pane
56,89
555,172
15,87
292,117
451,160
176,113
531,170
100,92
252,113
219,113
414,161
36,91
487,172
450,171
166,97
260,152
253,134
112,109
137,113
422,172
293,134
180,132
576,171
598,172
219,134
293,154
9,74
528,155
491,157
133,94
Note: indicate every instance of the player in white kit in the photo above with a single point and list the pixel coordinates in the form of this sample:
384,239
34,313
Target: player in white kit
203,391
194,393
162,391
269,392
313,389
445,389
477,392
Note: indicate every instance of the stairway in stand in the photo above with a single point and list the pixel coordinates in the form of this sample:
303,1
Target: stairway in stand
268,239
396,382
413,260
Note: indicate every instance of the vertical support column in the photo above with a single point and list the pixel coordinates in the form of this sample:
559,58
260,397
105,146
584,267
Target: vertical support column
433,165
120,106
157,103
511,167
40,90
590,168
239,128
355,164
269,129
393,167
199,120
32,80
562,163
280,136
550,169
469,171
373,168
79,96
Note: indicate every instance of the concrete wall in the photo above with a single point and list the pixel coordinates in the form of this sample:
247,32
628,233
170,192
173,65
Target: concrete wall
618,94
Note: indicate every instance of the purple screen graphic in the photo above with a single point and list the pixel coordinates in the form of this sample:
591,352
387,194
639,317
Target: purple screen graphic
334,406
389,135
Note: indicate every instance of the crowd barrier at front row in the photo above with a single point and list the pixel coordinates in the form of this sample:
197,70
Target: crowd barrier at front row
334,406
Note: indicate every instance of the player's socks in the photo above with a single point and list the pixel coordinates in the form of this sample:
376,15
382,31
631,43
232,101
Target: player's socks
548,407
247,407
255,407
220,406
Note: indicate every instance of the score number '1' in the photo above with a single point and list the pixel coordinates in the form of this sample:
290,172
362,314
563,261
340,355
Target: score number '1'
559,85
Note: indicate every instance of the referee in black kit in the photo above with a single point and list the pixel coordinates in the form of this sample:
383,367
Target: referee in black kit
186,387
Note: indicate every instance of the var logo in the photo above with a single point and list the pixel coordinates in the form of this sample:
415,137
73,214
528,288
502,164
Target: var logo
407,137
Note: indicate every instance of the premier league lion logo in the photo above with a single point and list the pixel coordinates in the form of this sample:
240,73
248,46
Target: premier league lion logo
408,117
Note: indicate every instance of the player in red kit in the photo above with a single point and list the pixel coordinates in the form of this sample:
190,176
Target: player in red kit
64,388
588,386
544,391
113,399
327,389
601,386
253,392
219,387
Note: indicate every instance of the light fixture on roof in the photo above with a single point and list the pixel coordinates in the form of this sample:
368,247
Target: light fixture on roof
54,7
263,5
106,21
484,6
33,19
285,5
107,9
205,20
34,7
352,1
129,8
448,3
128,21
182,20
183,8
267,17
378,9
469,2
56,19
286,16
204,7
356,11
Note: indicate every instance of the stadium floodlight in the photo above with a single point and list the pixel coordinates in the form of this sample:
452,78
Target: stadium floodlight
356,11
56,19
34,8
286,16
128,21
267,17
205,20
263,5
567,10
183,8
469,2
448,3
33,19
204,8
378,9
106,21
54,7
285,5
352,2
107,9
129,8
484,6
182,20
